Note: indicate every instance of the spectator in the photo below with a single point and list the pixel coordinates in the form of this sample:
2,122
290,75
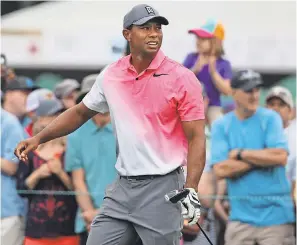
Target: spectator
210,67
249,149
67,92
34,100
50,218
15,96
206,188
91,156
12,206
280,99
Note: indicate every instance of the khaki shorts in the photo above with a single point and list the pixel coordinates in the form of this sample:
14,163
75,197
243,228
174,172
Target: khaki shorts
12,230
244,234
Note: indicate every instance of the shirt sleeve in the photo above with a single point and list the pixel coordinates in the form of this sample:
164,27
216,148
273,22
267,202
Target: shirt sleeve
219,143
188,62
95,99
72,155
190,103
226,71
14,134
275,134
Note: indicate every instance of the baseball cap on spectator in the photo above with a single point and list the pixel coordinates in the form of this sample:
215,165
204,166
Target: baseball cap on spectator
21,83
65,88
282,93
36,97
246,80
210,29
43,102
142,13
49,108
86,85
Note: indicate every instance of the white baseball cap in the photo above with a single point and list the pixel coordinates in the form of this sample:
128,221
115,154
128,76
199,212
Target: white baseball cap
35,97
43,102
282,93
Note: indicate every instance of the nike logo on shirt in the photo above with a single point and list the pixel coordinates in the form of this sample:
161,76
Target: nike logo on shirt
161,74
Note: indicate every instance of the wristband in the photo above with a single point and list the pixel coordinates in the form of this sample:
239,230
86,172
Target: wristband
238,157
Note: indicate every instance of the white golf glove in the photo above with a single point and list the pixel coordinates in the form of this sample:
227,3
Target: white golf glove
191,207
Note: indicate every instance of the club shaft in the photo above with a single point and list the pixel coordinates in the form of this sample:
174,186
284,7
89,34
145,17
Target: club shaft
207,238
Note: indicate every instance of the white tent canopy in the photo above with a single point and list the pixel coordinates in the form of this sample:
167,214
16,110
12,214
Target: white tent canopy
79,33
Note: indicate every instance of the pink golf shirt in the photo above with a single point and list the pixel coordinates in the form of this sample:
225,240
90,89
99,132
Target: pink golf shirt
147,111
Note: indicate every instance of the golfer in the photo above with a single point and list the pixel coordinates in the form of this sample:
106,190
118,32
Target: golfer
156,108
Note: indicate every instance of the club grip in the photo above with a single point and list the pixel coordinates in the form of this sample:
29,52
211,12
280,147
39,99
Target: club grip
176,195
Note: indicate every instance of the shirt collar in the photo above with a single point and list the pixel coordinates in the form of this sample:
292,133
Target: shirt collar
94,128
155,64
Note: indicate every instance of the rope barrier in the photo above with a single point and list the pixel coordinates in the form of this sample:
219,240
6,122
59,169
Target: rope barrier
75,193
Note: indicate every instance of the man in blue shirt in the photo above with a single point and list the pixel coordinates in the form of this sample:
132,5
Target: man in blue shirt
12,206
91,156
249,149
15,96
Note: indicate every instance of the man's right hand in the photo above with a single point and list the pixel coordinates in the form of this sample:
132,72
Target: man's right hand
26,146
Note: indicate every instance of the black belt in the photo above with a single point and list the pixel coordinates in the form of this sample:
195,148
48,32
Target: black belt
145,177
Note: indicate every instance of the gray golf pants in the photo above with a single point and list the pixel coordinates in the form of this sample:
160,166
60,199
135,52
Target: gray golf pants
137,208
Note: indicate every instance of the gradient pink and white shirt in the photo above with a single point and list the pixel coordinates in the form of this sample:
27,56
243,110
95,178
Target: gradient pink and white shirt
147,111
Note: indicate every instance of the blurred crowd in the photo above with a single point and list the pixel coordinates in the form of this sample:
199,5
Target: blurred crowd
54,196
